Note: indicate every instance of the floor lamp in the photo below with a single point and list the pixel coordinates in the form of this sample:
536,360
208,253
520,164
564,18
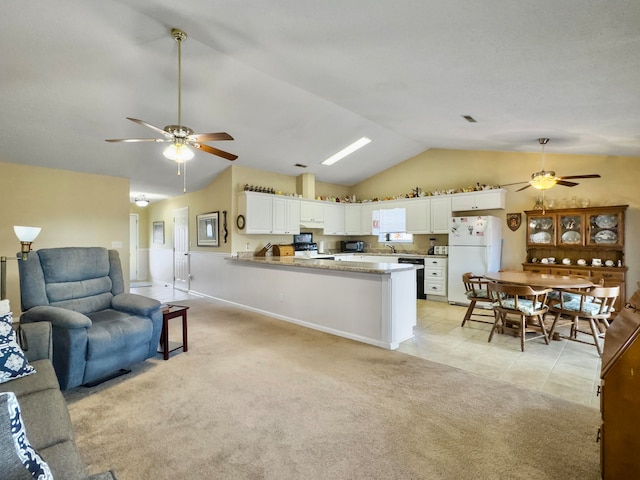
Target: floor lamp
26,235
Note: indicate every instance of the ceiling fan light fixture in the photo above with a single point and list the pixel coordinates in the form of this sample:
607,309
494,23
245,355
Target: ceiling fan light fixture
141,201
543,180
178,152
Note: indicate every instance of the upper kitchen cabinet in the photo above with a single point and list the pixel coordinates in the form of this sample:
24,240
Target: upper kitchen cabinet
269,214
493,199
334,219
311,213
366,217
353,219
418,214
440,208
286,215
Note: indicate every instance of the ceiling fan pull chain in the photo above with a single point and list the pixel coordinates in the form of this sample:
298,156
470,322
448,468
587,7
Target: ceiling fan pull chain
184,179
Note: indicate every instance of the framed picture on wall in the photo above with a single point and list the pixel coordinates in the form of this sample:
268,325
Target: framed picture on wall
208,229
158,232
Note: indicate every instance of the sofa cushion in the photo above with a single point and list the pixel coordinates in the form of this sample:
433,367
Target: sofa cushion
64,461
114,331
19,459
46,418
13,362
43,379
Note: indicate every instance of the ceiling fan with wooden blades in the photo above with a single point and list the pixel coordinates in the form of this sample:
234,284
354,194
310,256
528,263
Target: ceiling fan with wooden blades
181,137
545,179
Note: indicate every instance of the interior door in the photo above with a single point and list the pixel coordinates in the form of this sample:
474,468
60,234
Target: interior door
133,247
181,272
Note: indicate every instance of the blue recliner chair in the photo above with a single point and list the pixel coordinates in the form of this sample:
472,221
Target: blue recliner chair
98,330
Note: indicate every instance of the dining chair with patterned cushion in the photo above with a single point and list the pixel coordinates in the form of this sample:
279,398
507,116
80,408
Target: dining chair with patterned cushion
476,291
519,309
594,307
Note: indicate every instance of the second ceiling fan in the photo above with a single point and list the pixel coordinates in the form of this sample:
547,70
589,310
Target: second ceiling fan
545,179
181,137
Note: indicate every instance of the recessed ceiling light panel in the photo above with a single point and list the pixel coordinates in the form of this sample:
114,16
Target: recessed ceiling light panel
347,151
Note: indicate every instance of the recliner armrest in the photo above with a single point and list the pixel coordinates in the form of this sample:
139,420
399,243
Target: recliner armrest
136,304
35,340
59,317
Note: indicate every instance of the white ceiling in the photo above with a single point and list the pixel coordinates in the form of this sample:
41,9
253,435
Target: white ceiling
296,80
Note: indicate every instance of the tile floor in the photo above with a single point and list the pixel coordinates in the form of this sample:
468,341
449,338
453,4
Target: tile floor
566,369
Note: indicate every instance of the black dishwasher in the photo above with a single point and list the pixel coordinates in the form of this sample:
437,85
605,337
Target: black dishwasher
419,274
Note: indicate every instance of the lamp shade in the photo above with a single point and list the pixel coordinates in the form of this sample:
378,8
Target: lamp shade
178,152
26,234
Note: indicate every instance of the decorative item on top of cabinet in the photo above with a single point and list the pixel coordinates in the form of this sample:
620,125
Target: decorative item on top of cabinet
567,241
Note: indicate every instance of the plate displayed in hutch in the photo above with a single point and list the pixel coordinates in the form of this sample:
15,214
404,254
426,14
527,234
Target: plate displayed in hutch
607,221
606,236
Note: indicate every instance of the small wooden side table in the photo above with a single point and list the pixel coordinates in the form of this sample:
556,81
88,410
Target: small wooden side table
169,312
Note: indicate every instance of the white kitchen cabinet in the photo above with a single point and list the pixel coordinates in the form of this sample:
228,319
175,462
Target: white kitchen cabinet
366,217
418,214
334,219
440,209
312,213
353,219
286,215
435,277
269,214
481,200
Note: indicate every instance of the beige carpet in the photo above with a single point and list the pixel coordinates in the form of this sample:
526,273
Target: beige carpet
257,398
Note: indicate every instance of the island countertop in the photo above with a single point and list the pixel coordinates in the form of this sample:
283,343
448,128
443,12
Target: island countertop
362,267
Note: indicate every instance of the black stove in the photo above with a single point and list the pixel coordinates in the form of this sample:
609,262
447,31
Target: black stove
305,247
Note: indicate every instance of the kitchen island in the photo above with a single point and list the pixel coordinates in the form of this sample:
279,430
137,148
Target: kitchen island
374,303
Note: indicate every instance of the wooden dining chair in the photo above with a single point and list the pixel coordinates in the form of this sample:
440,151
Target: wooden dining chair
476,291
594,306
519,309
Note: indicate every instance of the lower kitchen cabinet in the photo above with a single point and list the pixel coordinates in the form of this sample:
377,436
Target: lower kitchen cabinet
435,277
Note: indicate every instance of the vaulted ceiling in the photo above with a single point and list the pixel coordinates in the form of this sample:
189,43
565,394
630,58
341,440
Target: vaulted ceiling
294,81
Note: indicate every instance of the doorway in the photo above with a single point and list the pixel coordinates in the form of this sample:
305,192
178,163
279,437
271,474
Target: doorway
181,267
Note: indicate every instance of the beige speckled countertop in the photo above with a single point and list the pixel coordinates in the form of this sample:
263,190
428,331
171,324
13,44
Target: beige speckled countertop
362,267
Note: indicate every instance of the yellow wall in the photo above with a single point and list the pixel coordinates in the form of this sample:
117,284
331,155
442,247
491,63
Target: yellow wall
73,209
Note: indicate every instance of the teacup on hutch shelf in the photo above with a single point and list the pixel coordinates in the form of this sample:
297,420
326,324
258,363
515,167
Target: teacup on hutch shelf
581,261
596,262
566,261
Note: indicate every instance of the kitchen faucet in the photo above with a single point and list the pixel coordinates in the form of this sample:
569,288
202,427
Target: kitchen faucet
393,249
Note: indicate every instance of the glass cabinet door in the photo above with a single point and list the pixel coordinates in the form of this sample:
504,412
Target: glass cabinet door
541,230
571,230
605,230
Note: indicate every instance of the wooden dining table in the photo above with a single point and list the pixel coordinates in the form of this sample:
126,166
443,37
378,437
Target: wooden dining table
544,280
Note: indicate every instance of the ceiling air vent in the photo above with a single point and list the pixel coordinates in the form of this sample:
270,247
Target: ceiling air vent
469,118
300,165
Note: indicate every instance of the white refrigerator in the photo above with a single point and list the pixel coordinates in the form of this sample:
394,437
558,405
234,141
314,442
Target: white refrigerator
475,245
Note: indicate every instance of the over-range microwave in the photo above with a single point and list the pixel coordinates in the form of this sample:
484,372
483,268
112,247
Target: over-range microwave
352,246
